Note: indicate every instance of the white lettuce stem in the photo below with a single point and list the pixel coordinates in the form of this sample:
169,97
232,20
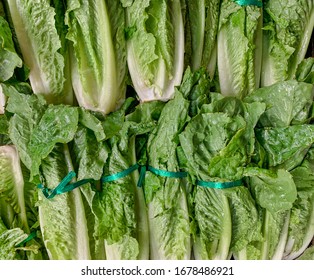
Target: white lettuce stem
140,208
280,248
303,46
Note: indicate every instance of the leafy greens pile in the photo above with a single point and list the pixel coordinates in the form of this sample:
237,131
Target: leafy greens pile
156,129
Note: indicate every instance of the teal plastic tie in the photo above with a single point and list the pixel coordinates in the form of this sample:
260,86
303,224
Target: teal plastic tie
219,185
64,186
50,193
257,3
31,236
71,187
142,176
159,172
119,175
169,174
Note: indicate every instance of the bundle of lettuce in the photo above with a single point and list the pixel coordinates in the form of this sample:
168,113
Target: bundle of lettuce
284,140
40,133
301,225
117,208
19,232
225,176
48,35
61,149
75,50
217,145
165,187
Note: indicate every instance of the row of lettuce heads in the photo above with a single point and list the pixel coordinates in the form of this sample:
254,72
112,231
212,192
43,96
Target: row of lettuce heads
124,123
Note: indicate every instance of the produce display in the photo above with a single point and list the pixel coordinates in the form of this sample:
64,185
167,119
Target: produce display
156,129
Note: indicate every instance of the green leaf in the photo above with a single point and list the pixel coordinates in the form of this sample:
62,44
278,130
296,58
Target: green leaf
12,186
275,193
286,146
308,254
88,120
9,59
4,124
57,125
195,87
165,197
301,226
246,223
90,155
213,224
203,17
206,138
287,103
8,240
20,102
275,234
305,71
96,244
27,110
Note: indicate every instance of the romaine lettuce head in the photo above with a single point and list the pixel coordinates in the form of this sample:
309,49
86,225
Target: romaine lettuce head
239,48
155,47
98,53
40,31
287,30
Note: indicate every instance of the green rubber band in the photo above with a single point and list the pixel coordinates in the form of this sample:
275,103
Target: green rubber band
71,187
142,176
169,174
159,172
50,193
257,3
31,236
64,186
219,185
119,175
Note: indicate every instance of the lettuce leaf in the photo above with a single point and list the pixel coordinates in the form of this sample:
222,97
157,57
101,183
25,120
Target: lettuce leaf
203,19
9,239
301,226
9,59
